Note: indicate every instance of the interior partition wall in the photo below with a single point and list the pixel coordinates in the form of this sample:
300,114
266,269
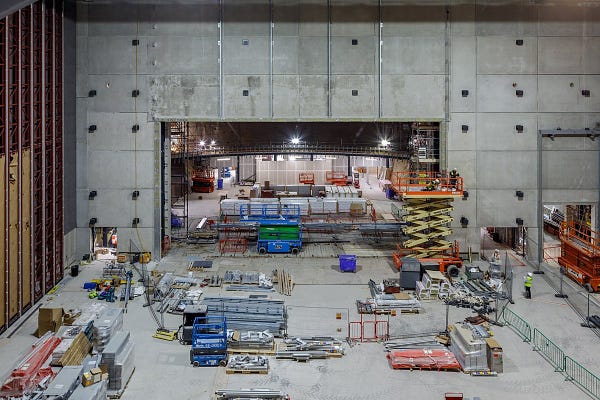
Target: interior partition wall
31,156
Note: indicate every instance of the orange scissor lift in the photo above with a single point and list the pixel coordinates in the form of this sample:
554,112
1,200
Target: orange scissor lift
426,211
580,254
336,178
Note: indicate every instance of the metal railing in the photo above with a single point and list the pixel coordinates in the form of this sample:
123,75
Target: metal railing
573,371
518,324
582,377
549,350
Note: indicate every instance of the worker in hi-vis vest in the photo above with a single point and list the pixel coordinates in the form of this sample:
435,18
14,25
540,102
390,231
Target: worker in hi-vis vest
528,280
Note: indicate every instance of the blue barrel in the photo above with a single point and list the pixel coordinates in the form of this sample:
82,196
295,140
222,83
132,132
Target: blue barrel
220,184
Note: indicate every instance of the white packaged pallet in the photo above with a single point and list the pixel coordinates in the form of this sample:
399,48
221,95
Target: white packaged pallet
330,206
316,206
105,326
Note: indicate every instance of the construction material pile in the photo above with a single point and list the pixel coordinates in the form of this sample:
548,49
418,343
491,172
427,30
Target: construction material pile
432,286
92,392
383,303
72,350
249,281
248,364
64,384
468,345
249,314
464,294
32,370
254,394
432,359
420,341
118,358
105,326
303,349
250,340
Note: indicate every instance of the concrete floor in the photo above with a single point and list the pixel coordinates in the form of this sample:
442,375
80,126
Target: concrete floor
163,369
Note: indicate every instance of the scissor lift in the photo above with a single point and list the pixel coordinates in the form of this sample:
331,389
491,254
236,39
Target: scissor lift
426,210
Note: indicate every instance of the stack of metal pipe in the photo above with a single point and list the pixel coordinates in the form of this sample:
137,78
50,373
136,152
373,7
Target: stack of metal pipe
249,314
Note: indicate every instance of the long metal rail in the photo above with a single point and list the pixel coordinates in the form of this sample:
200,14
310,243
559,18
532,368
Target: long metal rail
308,149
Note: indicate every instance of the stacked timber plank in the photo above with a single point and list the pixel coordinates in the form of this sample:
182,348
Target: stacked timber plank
71,351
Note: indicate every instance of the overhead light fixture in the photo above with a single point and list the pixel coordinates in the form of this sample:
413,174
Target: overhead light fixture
385,142
295,140
223,159
212,142
202,143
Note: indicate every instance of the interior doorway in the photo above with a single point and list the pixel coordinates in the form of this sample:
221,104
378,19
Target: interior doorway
503,238
105,243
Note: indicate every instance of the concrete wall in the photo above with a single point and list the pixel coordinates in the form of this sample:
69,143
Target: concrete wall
310,73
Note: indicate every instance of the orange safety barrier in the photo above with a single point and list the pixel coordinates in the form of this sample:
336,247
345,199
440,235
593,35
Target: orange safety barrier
369,330
407,183
433,359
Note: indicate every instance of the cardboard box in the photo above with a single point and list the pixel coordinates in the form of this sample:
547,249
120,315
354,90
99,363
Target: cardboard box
49,319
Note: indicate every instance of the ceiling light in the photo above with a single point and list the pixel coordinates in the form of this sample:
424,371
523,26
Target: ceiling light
202,143
212,142
224,159
385,142
295,140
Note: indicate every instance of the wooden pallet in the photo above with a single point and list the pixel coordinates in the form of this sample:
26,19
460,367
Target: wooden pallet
247,371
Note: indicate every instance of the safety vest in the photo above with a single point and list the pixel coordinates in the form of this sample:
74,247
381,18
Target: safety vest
528,281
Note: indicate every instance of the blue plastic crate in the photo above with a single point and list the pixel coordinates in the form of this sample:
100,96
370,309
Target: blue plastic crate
347,263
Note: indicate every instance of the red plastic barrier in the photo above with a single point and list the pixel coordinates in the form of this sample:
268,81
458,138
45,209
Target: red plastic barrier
31,370
435,359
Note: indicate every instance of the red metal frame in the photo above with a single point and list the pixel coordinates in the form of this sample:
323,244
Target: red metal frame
37,157
580,254
31,57
376,330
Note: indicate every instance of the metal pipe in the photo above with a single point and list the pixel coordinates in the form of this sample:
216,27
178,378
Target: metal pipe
53,91
329,58
19,167
31,144
379,58
220,25
540,206
271,25
6,175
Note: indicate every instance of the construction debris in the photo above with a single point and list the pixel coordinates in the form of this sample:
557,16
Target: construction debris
247,364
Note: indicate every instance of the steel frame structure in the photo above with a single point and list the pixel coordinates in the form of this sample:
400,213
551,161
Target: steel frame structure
31,146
